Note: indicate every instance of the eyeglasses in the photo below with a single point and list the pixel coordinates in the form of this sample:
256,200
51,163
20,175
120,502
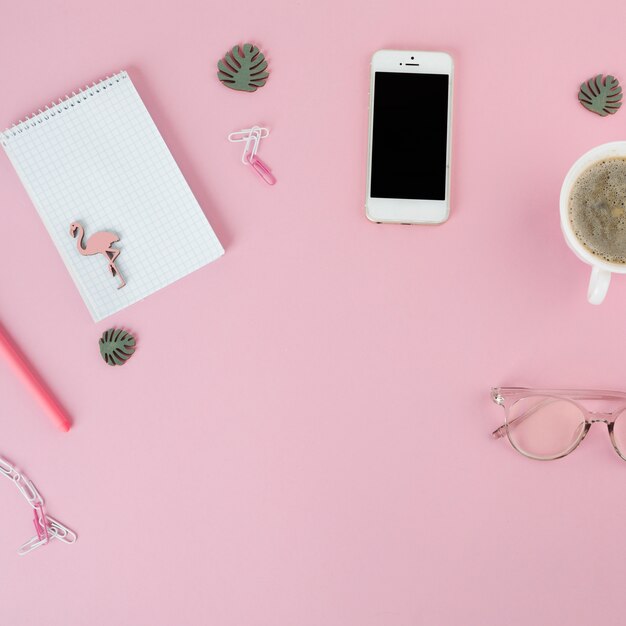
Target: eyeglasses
547,424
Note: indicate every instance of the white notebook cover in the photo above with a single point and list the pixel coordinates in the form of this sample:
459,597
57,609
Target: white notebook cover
97,158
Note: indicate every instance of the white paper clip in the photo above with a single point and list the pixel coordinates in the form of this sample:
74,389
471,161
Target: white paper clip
251,147
242,135
6,469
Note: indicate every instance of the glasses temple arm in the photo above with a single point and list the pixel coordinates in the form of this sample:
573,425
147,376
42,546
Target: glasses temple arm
501,430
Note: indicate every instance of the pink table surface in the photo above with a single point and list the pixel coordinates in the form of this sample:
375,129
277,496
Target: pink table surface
303,435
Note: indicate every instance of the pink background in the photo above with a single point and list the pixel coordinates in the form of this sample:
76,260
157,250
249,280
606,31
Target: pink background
303,435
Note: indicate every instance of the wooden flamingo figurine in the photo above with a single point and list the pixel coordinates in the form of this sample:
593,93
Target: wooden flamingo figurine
99,243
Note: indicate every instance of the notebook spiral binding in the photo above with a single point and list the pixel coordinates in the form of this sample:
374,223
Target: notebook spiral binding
57,108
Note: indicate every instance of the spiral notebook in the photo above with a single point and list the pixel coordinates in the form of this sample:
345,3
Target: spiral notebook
97,158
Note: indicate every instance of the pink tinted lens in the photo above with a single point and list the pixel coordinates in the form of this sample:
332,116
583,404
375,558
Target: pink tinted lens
545,427
619,433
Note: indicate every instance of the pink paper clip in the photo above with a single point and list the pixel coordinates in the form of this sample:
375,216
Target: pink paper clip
40,524
262,170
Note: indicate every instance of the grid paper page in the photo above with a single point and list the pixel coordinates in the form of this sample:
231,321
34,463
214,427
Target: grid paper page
97,158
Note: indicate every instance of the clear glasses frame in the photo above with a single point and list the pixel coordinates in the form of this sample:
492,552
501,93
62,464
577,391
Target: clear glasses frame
507,397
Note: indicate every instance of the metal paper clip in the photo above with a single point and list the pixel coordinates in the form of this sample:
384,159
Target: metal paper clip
29,491
30,545
262,170
61,532
242,135
6,469
40,522
251,146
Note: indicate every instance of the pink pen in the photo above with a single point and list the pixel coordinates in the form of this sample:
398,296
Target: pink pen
34,384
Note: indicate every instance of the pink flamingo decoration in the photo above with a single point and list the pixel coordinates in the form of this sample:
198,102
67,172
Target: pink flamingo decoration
99,243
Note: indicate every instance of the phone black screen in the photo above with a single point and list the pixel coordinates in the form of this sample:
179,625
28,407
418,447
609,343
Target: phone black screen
409,138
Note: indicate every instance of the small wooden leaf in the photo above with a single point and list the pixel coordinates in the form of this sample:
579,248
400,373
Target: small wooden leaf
601,95
116,346
243,68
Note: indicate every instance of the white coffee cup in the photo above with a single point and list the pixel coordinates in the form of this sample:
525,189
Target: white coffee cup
601,269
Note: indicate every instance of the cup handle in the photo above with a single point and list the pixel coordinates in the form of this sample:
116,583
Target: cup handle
598,285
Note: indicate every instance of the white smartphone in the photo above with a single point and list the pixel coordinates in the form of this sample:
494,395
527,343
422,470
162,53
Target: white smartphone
410,124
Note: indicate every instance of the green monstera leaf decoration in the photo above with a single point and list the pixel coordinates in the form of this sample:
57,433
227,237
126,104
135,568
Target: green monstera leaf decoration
116,346
602,96
243,68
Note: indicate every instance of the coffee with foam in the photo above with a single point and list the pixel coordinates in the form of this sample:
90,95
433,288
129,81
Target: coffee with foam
597,209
